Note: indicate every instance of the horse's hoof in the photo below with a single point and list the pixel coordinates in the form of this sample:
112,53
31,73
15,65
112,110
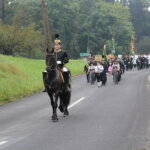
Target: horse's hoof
54,119
66,113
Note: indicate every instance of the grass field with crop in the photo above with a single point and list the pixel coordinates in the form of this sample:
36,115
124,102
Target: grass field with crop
20,77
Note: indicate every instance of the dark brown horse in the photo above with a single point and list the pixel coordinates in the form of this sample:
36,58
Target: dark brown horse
55,86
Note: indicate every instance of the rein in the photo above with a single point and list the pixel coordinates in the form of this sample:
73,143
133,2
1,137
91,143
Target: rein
50,54
50,67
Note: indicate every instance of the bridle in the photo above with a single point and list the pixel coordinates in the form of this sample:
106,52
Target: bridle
50,67
53,67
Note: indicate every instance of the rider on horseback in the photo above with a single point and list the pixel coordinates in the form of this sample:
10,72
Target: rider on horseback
61,59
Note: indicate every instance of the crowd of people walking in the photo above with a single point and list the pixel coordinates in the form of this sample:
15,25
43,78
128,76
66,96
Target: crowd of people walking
115,67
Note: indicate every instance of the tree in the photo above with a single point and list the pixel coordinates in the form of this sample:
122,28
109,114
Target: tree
81,24
110,1
105,22
144,46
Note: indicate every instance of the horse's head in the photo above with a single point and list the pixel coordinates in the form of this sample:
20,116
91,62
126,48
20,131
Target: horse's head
50,59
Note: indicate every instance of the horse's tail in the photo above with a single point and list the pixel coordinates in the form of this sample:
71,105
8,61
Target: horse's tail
65,97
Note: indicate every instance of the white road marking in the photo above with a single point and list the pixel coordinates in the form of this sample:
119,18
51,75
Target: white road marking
3,142
78,101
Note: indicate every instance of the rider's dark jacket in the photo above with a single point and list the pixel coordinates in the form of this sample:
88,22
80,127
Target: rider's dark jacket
61,56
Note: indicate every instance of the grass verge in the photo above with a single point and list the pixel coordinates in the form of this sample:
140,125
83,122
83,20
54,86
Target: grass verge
20,77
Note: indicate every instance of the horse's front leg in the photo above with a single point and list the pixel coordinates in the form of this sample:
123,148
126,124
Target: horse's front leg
54,106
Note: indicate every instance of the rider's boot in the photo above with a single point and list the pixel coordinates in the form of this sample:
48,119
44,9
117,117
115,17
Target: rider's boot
66,76
44,76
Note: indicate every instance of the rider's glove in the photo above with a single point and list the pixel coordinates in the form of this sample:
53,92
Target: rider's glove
59,62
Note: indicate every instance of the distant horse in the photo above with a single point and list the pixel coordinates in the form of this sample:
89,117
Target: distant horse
55,86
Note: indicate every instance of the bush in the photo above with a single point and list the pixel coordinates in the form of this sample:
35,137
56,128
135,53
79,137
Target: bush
21,41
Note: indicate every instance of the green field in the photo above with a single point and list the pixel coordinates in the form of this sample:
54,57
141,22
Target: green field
20,77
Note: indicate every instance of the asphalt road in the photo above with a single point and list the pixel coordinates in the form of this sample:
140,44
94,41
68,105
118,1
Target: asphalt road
114,117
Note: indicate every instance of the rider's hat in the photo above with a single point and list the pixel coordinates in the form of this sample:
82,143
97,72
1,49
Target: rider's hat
57,40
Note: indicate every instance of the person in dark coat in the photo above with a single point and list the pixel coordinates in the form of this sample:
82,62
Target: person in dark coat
122,69
105,65
86,71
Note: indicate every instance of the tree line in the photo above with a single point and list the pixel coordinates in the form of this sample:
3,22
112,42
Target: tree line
83,25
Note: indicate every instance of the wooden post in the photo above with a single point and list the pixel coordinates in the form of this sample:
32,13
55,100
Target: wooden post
46,27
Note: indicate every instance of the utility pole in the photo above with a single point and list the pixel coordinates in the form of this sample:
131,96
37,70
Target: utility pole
46,27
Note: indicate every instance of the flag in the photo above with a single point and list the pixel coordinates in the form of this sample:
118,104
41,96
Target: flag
132,46
104,53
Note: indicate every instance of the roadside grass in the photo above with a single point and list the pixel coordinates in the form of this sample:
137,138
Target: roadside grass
21,77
